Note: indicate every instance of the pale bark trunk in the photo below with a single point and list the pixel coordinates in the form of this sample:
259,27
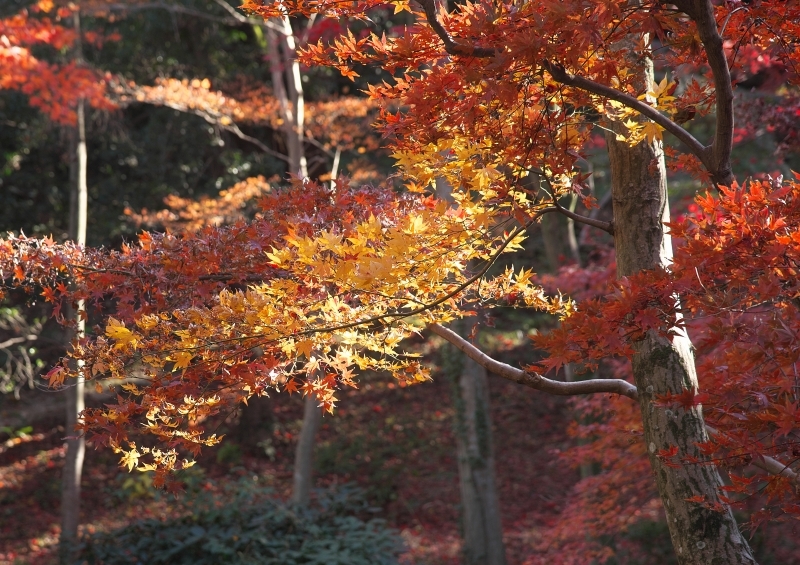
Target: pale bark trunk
75,444
661,365
287,85
304,453
480,509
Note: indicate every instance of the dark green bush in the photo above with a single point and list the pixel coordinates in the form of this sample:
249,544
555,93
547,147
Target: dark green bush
252,528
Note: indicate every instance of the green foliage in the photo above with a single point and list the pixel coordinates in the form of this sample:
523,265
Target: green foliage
252,528
229,453
16,433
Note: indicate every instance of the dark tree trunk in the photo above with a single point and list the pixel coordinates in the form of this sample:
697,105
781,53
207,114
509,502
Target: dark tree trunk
480,508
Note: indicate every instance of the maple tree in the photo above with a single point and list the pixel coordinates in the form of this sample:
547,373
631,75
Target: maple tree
53,89
487,94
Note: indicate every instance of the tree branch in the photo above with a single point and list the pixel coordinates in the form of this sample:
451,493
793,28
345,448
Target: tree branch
535,380
211,118
607,227
766,463
702,13
174,8
241,18
574,388
700,151
452,46
559,74
17,340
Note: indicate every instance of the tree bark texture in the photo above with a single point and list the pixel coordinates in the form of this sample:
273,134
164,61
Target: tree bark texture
75,444
304,453
480,508
661,365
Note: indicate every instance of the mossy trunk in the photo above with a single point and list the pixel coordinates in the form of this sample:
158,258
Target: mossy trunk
660,365
480,508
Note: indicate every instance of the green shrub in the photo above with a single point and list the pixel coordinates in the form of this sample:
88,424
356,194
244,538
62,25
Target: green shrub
252,528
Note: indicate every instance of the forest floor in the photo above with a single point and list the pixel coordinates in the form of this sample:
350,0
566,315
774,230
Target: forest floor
395,442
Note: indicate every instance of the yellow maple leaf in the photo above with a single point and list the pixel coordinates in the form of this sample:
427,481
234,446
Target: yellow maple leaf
652,131
182,360
147,322
304,347
117,330
400,6
130,459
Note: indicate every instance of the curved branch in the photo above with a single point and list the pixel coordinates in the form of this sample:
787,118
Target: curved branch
559,74
235,19
218,122
607,227
17,340
234,129
452,46
535,380
592,386
766,463
699,150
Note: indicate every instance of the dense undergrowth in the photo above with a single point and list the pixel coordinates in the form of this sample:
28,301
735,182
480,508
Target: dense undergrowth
246,524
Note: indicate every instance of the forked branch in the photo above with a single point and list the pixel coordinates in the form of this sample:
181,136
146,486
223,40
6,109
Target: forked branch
458,47
702,14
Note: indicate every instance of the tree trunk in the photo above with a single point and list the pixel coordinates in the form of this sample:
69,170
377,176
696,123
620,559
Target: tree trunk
304,453
75,444
287,84
480,508
661,366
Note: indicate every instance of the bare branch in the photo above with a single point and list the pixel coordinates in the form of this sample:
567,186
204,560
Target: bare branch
592,386
702,13
768,464
241,18
452,46
17,340
174,8
535,380
607,227
213,119
698,149
234,129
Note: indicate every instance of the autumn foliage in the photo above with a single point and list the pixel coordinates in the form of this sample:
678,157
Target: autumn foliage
327,281
54,89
